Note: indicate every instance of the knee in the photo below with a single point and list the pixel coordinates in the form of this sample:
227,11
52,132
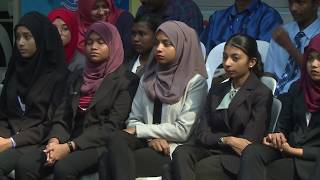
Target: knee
251,153
26,168
115,138
63,170
181,154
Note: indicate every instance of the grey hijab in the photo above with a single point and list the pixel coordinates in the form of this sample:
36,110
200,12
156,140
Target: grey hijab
168,82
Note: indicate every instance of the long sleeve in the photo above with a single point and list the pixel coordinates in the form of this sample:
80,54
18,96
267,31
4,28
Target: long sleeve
260,117
247,119
285,121
96,135
268,23
178,130
204,134
36,128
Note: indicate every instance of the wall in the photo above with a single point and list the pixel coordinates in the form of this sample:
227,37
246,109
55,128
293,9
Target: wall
134,5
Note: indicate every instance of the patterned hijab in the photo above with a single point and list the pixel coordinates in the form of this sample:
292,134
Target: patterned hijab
85,19
311,89
70,19
168,82
94,73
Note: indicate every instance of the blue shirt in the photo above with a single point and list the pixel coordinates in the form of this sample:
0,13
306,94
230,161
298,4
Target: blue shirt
277,57
180,10
258,21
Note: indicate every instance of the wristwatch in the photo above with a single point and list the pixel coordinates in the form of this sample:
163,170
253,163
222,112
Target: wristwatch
221,141
70,146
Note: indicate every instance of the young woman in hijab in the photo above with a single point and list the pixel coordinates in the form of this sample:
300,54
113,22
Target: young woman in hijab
290,153
236,114
90,11
164,110
142,39
97,102
32,88
67,25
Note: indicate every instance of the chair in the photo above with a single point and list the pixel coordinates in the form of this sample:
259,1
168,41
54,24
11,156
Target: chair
275,112
149,178
263,47
270,82
204,52
213,61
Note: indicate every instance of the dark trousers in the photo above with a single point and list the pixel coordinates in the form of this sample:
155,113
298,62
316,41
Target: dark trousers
75,164
316,172
9,159
194,162
262,162
129,157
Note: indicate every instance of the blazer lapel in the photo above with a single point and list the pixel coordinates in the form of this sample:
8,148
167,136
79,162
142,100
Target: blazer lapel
219,94
243,93
75,93
104,89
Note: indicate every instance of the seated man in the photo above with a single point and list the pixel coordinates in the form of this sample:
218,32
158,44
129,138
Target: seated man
288,43
186,11
251,17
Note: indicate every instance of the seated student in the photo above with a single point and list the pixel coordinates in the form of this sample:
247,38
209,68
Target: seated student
90,11
283,57
165,108
142,39
236,114
97,102
186,11
67,25
291,151
32,88
251,17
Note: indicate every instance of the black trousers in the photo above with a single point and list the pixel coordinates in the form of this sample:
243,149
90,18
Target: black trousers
9,159
129,157
194,162
31,165
316,172
262,162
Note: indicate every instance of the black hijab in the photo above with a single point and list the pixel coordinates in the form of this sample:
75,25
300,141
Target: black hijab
49,58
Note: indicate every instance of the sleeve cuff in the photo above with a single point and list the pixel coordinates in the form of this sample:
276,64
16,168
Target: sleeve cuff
13,142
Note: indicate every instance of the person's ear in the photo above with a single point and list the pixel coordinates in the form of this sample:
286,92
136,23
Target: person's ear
252,62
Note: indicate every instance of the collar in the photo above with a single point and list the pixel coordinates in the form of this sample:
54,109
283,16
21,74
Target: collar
250,9
311,30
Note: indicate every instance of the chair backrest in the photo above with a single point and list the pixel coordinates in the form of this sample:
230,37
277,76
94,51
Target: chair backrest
275,112
204,52
270,82
213,61
263,47
149,178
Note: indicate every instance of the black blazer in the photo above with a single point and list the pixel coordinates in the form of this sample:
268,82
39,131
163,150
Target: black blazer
292,122
42,99
107,112
247,117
